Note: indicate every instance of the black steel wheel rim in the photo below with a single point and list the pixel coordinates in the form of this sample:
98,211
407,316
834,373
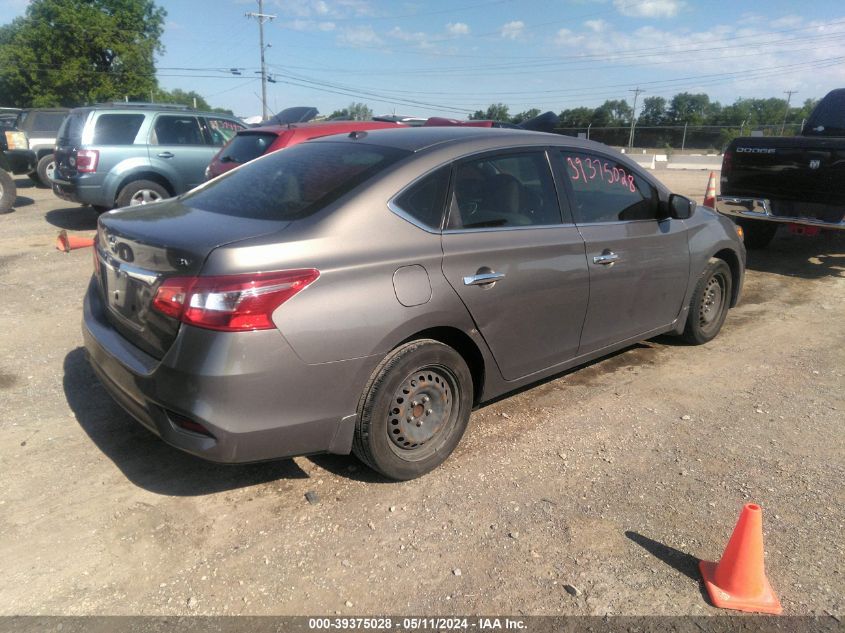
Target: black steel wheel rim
712,303
422,409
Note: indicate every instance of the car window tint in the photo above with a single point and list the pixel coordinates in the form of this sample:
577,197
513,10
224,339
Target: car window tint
115,129
294,183
503,191
424,201
245,147
46,122
222,130
176,130
607,191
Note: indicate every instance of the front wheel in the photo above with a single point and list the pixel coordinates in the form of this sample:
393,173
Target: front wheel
710,302
414,410
8,191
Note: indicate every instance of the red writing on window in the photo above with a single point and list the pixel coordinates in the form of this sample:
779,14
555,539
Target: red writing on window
591,169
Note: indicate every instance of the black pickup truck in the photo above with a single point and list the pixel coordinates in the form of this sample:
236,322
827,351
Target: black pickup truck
796,180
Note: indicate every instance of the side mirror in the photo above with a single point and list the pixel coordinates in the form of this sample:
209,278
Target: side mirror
681,208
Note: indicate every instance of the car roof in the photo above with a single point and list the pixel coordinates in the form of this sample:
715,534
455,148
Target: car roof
415,139
325,127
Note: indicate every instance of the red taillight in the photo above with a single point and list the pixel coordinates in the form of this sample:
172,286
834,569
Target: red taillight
86,160
727,162
231,303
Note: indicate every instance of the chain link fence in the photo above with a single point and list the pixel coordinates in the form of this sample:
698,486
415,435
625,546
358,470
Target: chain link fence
712,138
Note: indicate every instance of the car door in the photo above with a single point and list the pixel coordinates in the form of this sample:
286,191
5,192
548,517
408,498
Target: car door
638,261
516,263
178,148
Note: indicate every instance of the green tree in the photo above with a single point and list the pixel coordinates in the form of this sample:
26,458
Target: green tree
524,116
72,52
653,112
613,113
695,109
191,99
359,111
576,117
496,112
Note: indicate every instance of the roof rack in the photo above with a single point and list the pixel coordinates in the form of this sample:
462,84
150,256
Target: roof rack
143,105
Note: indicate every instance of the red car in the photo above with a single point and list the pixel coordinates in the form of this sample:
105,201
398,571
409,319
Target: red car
254,142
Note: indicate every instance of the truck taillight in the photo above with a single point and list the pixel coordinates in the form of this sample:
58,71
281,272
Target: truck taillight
86,160
727,162
230,303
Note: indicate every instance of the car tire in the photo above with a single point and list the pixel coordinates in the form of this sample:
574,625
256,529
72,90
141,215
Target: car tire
414,410
141,192
8,191
757,234
45,170
710,303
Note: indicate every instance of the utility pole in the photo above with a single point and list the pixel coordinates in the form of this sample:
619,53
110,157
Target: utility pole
788,94
262,18
637,92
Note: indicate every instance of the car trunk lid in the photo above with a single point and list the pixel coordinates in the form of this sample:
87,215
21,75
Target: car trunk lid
138,248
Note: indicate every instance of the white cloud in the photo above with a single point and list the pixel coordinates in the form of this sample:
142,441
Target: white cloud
513,30
325,8
596,26
310,25
649,8
419,38
359,36
457,28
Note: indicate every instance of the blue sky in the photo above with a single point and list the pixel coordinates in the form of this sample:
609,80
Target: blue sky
449,58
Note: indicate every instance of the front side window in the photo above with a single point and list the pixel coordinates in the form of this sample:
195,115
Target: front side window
425,200
247,146
177,130
607,191
222,130
112,129
504,191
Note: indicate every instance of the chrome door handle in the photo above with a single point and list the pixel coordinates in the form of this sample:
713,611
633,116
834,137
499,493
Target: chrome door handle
483,278
606,259
166,155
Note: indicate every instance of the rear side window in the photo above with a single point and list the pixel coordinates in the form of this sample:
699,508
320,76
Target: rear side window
45,122
117,129
425,200
828,117
294,183
245,147
607,191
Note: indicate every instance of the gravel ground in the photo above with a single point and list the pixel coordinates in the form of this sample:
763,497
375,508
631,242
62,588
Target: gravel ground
592,493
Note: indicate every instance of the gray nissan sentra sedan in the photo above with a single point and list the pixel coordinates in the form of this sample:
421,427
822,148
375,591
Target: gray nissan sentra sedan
363,293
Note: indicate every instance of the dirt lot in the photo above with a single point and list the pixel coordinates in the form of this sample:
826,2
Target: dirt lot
612,479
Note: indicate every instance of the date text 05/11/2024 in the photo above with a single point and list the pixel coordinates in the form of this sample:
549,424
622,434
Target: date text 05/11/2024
416,624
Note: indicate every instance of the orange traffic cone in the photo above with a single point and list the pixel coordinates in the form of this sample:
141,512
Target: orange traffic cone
738,581
67,243
710,193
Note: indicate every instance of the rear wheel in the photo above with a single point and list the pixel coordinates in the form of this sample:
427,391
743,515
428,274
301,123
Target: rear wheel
710,303
414,410
8,191
46,170
141,192
757,233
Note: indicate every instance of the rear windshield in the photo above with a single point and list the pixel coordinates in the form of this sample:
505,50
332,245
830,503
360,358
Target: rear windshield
293,183
70,133
246,146
828,118
44,122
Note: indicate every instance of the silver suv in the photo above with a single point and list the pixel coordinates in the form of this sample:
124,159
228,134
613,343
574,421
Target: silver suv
119,155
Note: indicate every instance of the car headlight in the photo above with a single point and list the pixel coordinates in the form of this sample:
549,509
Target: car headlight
16,140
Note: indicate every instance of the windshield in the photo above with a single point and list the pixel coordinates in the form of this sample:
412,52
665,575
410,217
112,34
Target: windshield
293,183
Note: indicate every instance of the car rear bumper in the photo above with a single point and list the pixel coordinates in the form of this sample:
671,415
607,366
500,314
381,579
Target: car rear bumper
762,209
21,161
255,397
